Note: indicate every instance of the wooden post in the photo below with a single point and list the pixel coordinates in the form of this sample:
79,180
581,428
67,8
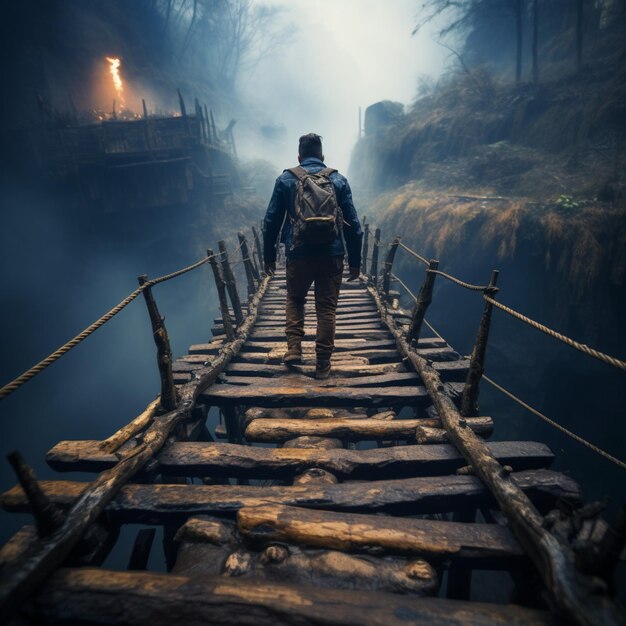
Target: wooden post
216,266
208,125
141,549
374,268
388,265
366,238
214,128
258,248
164,352
251,274
424,298
47,516
231,284
469,400
460,574
183,110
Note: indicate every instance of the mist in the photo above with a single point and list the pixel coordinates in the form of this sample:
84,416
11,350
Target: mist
337,57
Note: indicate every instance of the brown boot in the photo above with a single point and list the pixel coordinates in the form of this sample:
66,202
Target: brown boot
322,369
293,356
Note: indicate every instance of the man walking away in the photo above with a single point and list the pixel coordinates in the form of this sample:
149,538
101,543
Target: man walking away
313,205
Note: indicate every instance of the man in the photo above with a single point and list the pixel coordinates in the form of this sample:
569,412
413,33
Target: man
308,263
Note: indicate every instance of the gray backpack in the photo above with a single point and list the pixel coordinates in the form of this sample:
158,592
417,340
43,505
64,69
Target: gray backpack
318,218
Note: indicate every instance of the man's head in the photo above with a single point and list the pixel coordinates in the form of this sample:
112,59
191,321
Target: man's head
310,145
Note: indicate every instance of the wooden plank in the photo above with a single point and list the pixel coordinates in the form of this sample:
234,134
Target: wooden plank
152,599
314,395
232,460
340,333
359,356
485,545
276,430
156,503
394,379
341,345
273,370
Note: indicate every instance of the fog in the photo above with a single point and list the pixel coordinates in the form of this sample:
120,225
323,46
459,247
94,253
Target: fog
340,56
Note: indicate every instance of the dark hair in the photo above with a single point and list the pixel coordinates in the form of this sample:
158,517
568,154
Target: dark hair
310,145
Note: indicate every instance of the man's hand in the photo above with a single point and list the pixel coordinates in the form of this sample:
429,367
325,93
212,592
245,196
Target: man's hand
270,269
355,272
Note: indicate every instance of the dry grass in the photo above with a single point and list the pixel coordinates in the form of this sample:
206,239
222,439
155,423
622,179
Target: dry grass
580,245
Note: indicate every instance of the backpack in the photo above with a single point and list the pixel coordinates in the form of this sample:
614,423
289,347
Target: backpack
318,218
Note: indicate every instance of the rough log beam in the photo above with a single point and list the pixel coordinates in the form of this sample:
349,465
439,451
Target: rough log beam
155,503
151,599
582,598
21,578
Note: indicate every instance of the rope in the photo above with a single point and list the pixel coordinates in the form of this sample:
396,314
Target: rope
552,333
462,283
554,424
419,257
101,321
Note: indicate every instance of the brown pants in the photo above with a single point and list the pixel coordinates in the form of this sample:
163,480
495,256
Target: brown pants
326,273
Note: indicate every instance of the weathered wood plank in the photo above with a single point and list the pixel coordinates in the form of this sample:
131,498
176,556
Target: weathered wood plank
341,345
136,503
314,395
275,430
273,370
355,334
395,379
221,459
483,544
151,599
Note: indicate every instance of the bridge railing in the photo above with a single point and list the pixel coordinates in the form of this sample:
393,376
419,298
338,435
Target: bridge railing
423,299
226,284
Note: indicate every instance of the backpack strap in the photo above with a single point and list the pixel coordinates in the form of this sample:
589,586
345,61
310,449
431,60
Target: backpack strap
326,172
299,172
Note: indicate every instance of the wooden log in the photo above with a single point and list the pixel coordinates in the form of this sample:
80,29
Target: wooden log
20,579
483,545
375,252
136,503
341,345
220,284
252,275
424,298
269,370
577,595
395,379
469,401
267,430
391,254
47,516
151,599
168,397
141,549
258,248
350,332
366,237
314,395
133,428
316,413
231,284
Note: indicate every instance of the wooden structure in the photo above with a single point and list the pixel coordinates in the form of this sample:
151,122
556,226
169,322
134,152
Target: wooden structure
370,498
148,162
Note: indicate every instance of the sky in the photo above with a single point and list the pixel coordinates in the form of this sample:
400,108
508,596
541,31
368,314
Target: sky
343,54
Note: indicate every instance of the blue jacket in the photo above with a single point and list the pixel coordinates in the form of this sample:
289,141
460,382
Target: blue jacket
283,203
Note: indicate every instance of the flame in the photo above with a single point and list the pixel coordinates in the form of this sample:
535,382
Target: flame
114,69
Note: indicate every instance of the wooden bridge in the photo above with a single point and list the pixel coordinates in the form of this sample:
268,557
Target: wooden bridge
367,498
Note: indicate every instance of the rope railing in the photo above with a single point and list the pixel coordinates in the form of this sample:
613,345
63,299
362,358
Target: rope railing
566,431
462,283
605,358
419,257
39,367
523,404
